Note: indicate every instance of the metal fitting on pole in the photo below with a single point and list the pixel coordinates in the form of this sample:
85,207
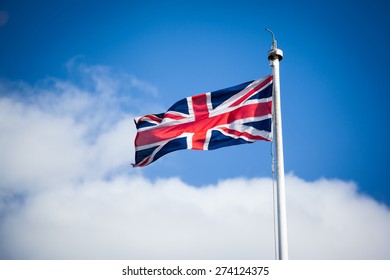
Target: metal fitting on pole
274,52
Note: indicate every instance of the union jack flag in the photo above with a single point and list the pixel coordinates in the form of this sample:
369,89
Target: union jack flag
236,115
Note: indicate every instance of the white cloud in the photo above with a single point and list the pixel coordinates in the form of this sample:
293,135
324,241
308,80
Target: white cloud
66,191
57,131
329,219
131,217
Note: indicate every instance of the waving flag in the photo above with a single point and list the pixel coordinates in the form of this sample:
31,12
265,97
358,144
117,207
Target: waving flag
236,115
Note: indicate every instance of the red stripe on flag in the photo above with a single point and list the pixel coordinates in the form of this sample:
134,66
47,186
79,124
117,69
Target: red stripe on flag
201,126
199,105
173,116
252,91
243,134
152,117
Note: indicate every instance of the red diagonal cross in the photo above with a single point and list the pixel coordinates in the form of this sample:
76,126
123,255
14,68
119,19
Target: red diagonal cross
203,122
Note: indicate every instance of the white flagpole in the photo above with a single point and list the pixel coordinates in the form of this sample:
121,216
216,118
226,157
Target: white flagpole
275,55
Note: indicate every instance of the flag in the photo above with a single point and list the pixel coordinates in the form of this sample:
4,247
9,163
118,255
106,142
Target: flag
236,115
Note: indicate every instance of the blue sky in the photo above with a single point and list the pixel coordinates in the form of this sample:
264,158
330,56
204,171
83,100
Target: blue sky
333,76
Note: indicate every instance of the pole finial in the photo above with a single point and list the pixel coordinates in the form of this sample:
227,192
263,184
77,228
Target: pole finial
274,53
274,43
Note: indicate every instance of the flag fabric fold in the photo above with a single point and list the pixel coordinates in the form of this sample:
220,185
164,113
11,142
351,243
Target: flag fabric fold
236,115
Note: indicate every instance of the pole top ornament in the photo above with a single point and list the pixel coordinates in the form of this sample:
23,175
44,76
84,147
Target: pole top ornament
274,53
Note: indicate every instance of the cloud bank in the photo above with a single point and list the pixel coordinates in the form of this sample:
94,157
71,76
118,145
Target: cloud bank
67,190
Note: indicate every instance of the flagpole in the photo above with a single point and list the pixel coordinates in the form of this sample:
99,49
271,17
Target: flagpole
275,55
